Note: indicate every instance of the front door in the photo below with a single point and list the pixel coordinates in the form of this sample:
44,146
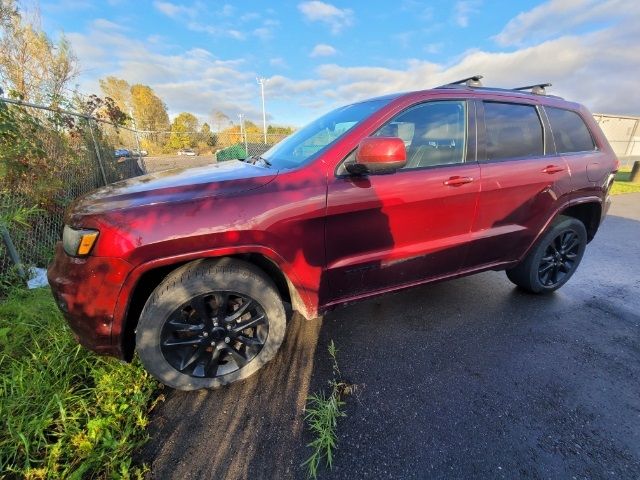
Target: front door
386,231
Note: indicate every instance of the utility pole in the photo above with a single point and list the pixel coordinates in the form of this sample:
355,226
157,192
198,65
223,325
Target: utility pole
261,81
243,133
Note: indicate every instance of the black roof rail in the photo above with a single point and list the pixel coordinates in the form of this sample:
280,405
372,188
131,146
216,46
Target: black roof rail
538,89
469,81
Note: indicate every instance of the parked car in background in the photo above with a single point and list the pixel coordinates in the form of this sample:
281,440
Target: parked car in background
192,269
121,153
190,152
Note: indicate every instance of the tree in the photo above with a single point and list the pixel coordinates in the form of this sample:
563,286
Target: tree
220,120
209,138
275,130
183,131
149,111
254,132
37,68
118,90
7,10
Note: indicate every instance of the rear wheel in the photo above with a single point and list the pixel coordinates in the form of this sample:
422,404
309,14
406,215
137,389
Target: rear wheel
554,259
210,323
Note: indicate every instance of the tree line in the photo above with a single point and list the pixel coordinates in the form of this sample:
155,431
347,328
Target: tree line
149,115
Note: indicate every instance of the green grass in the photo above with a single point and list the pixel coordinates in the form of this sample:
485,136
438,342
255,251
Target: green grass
623,185
66,413
323,412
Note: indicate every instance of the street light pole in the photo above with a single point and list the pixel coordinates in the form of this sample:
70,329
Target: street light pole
261,81
243,133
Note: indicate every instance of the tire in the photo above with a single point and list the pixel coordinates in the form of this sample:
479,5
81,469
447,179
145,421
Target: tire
210,323
554,258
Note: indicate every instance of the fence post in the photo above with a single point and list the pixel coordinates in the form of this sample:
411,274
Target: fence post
95,145
141,162
634,176
11,249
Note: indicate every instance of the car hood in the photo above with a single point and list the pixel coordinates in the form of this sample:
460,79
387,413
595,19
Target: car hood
175,185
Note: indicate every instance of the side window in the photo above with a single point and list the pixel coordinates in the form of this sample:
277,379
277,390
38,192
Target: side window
513,131
569,131
434,133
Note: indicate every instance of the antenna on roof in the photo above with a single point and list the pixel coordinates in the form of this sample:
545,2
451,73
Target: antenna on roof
469,81
538,89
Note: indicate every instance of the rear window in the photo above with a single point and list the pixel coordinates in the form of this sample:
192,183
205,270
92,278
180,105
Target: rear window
569,131
513,131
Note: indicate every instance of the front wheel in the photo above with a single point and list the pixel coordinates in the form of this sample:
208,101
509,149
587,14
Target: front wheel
554,259
210,323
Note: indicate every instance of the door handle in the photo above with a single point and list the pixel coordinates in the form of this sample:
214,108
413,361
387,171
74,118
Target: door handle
552,169
457,181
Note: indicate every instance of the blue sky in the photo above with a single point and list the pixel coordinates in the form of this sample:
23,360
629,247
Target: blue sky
202,56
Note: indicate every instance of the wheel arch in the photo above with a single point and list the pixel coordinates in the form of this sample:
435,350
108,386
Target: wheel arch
144,284
589,213
588,210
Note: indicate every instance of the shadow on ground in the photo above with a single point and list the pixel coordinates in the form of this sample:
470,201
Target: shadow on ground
248,430
470,378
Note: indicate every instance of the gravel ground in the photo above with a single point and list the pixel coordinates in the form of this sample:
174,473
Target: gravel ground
470,378
157,164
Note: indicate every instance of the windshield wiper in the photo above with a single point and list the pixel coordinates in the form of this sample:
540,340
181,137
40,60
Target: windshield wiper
257,158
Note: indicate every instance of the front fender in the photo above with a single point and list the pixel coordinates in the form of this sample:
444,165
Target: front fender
301,292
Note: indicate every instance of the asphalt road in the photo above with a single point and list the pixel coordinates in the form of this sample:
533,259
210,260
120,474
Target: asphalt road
470,378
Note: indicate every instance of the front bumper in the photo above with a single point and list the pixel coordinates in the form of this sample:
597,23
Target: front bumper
86,291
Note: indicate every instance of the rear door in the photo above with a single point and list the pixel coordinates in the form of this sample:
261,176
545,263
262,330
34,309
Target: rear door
384,231
522,179
574,142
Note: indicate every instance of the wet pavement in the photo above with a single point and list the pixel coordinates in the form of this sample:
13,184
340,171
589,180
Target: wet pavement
470,378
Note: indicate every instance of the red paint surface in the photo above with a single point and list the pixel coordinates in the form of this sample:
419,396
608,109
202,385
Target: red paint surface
337,238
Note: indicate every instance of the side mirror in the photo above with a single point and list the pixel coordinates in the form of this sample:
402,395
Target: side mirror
379,155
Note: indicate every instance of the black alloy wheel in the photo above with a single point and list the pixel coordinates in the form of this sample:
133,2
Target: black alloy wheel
559,259
553,259
214,334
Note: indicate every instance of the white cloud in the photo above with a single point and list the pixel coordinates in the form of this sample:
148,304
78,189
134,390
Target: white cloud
283,87
174,10
433,48
219,21
263,33
105,24
599,69
227,10
323,50
404,39
582,68
557,17
418,9
278,62
246,17
463,9
316,11
194,80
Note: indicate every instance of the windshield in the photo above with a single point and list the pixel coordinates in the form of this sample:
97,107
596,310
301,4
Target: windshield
311,140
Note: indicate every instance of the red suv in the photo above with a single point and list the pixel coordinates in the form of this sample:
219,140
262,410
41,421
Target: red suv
191,268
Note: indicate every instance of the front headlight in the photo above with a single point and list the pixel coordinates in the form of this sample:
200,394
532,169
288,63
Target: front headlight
78,243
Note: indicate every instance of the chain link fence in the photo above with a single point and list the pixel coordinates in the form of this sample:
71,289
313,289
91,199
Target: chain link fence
164,150
48,158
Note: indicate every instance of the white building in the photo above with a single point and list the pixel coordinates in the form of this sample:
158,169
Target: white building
623,133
